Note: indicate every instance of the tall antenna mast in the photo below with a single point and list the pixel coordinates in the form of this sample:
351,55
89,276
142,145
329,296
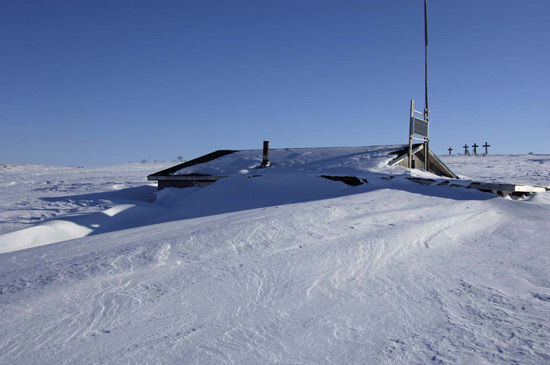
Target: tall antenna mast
419,126
426,110
426,57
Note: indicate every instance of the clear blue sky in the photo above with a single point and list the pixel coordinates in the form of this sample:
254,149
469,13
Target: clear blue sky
104,82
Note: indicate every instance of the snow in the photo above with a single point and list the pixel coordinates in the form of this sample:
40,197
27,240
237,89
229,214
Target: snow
516,169
30,194
328,160
285,267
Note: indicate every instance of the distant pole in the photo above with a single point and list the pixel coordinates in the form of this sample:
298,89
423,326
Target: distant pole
466,149
475,146
450,151
486,147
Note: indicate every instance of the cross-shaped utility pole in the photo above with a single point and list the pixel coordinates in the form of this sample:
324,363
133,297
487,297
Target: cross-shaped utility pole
466,152
475,146
486,146
450,149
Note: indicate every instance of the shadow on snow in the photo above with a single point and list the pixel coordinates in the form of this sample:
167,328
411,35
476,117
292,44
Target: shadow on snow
136,207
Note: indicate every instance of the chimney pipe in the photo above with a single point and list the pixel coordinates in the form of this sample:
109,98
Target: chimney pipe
265,160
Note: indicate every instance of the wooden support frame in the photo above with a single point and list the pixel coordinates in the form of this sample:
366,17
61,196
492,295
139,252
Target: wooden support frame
409,157
424,134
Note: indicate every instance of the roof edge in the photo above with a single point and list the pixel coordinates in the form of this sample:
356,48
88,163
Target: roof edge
202,159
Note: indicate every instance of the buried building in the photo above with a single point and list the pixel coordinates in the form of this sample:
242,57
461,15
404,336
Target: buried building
351,164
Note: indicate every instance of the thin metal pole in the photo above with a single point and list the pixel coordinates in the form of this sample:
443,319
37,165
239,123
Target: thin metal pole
410,157
426,55
426,111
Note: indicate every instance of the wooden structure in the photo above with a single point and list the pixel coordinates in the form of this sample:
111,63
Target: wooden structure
418,130
417,158
167,179
514,191
486,148
177,177
475,146
207,169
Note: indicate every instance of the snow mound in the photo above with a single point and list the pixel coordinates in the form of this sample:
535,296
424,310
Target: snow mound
329,160
40,235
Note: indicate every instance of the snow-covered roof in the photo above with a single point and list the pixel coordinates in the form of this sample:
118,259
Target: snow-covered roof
334,160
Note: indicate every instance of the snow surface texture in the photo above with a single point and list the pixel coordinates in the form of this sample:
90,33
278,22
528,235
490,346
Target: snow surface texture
514,169
261,270
31,194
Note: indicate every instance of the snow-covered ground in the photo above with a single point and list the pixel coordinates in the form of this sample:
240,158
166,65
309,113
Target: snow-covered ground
274,268
517,169
30,194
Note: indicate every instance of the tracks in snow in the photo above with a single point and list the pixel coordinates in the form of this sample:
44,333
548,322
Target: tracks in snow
329,281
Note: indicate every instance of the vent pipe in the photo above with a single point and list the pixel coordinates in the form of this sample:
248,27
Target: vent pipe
265,159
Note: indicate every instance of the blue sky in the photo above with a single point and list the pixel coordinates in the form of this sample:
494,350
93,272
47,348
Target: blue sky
105,82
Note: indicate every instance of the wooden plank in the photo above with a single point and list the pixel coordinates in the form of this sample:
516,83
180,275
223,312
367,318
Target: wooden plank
421,180
348,180
208,157
514,187
189,177
420,127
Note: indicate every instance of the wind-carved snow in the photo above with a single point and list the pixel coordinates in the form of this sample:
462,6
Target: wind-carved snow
250,270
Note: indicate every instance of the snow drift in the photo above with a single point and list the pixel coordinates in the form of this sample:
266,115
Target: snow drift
244,271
